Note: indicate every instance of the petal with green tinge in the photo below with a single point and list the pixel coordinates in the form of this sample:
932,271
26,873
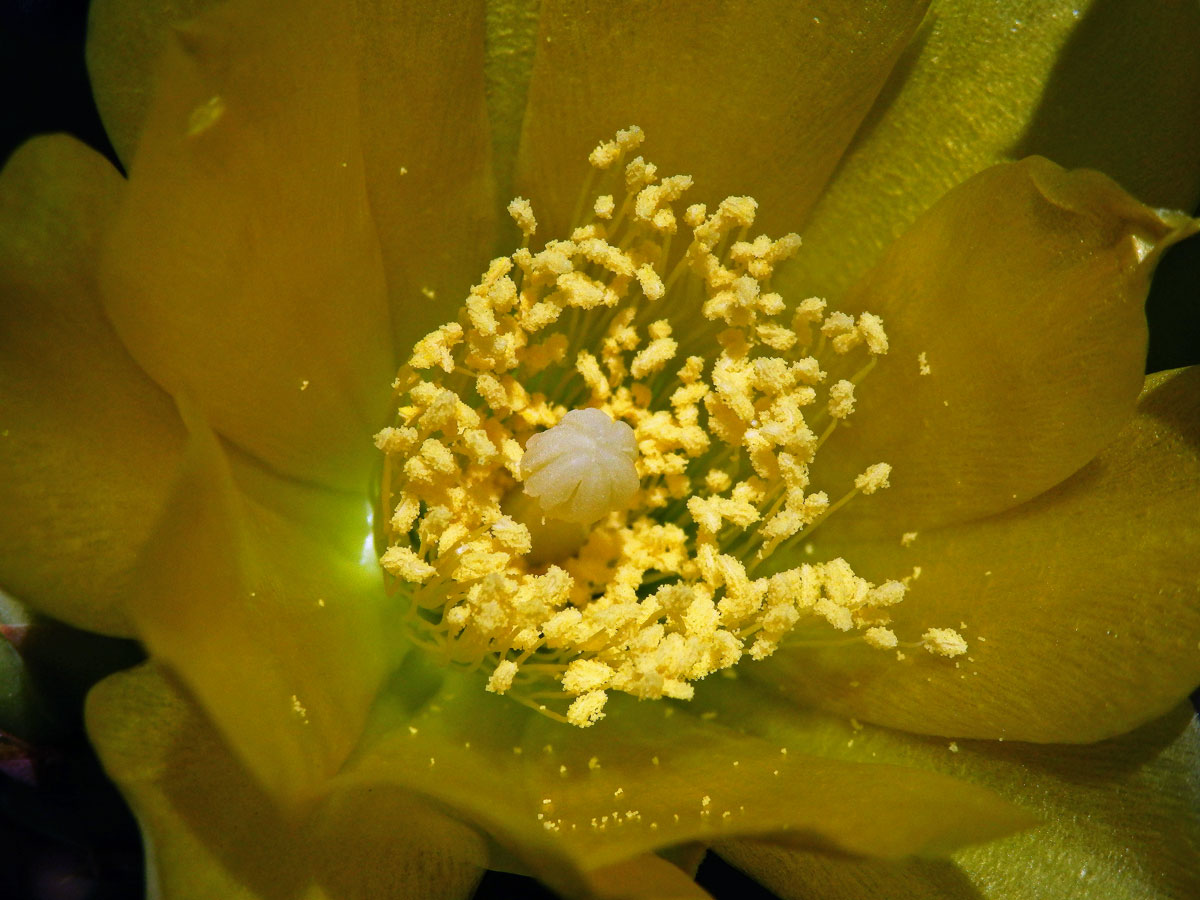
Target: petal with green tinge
1080,607
1023,288
650,775
243,268
125,39
88,443
273,627
755,97
211,831
426,154
1119,818
510,42
1086,83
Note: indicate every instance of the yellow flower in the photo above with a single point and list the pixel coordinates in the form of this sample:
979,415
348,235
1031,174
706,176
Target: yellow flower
195,360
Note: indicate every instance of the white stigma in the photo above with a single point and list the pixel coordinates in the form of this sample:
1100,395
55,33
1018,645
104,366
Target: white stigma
583,468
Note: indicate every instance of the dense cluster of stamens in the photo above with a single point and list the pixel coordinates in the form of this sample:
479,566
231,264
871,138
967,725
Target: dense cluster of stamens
723,395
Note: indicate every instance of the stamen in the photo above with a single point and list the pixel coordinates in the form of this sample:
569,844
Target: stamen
590,468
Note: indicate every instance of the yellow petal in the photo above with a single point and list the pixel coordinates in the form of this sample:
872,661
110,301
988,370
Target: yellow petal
1080,606
88,444
1083,82
426,154
1024,289
276,632
243,269
212,832
425,148
799,875
1119,822
644,878
566,800
755,97
124,41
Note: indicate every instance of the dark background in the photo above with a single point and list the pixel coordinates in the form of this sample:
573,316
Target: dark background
64,834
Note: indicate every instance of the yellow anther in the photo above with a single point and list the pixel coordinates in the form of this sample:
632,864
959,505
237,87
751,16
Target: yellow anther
589,370
608,152
870,326
639,173
584,675
502,677
602,253
512,536
435,349
880,638
777,337
604,206
396,440
587,709
522,213
944,642
652,285
406,565
659,352
605,154
841,399
405,515
874,478
652,203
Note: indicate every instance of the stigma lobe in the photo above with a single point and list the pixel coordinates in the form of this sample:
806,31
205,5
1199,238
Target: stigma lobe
583,468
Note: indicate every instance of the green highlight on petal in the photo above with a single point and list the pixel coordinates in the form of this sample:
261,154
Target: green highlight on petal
212,831
276,633
1124,98
652,775
509,45
1092,83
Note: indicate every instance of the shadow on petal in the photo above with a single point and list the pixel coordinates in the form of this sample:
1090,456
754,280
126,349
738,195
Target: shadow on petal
1088,588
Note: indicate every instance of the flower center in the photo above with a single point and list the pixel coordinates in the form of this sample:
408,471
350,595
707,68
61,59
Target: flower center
598,479
582,468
